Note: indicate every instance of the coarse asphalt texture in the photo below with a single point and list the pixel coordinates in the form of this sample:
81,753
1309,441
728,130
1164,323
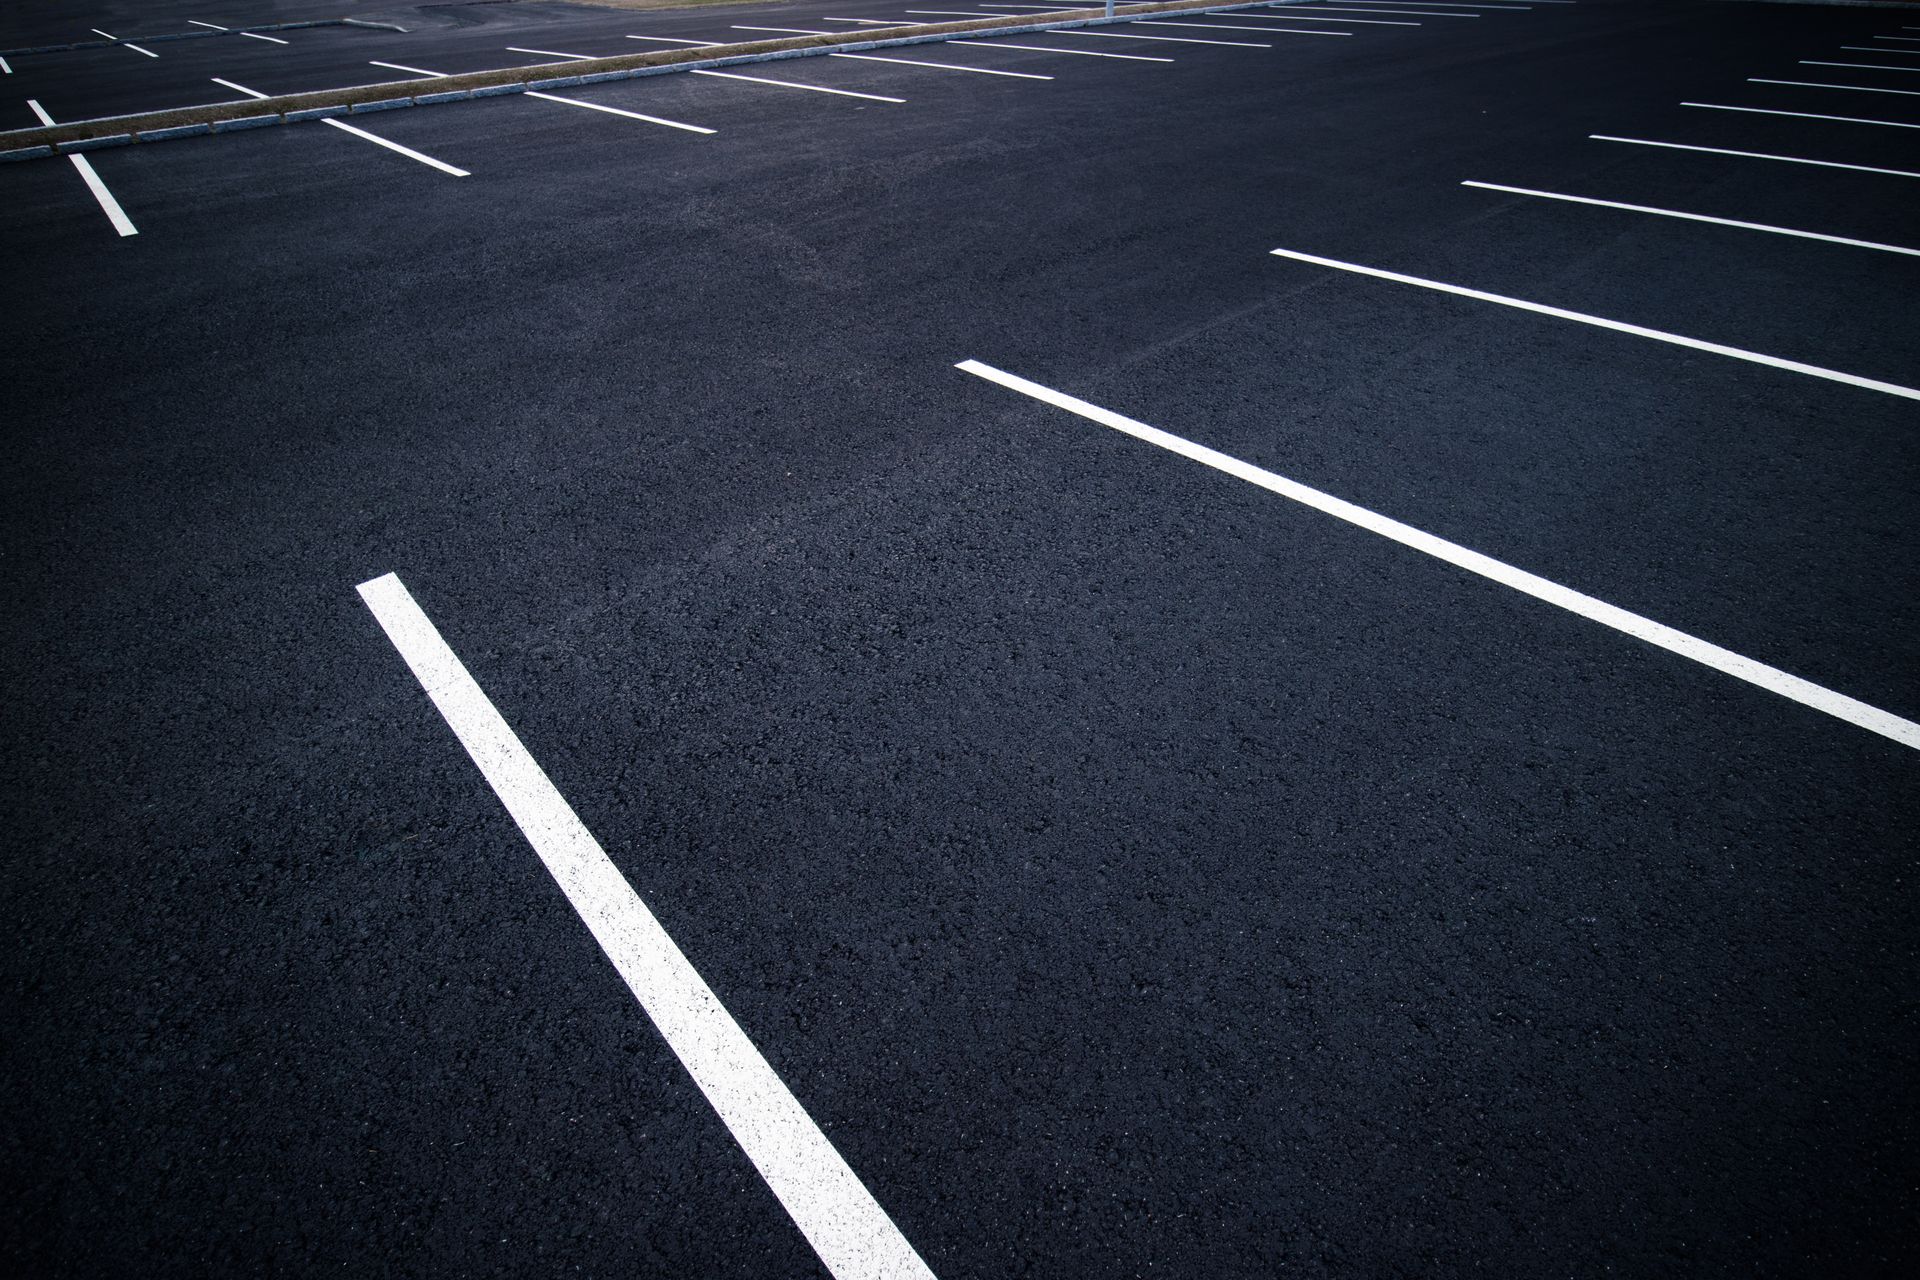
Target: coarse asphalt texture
1132,872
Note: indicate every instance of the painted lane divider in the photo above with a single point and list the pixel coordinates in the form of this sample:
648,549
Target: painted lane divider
108,205
1693,217
1754,155
836,1213
1618,326
1773,680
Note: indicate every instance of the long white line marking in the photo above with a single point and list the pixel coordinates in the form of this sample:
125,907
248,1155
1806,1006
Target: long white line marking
1345,22
1077,53
1618,326
846,1226
1754,155
953,13
1418,13
616,111
1116,35
1451,4
239,88
942,66
1853,88
1857,66
208,25
1693,217
108,34
255,35
1801,115
1871,48
792,31
108,205
1221,26
795,84
408,152
1914,39
137,49
868,22
394,66
704,44
551,53
1772,679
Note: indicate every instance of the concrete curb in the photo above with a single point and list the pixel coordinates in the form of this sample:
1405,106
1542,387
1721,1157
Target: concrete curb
157,126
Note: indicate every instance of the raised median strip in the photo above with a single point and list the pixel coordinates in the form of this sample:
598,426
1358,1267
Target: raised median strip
220,117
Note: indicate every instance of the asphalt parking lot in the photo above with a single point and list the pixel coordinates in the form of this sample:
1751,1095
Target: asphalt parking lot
1290,649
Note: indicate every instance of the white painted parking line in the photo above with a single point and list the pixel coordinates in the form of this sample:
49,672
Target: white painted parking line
1802,115
108,34
239,88
616,111
1345,22
208,25
137,49
1693,217
553,53
704,44
1758,674
1617,326
1867,48
1914,39
1076,53
1753,155
4,68
1221,26
1857,66
795,84
791,31
940,66
395,66
953,13
836,1213
255,35
1447,4
108,205
1116,35
868,22
1851,88
408,152
1419,13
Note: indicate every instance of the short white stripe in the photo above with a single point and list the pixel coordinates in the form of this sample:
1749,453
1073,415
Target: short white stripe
1869,48
794,84
108,205
1857,66
1853,88
704,44
940,66
208,25
255,35
1801,115
1421,13
836,1213
1753,155
1221,26
1345,22
1399,6
616,111
1805,692
868,22
408,152
137,49
1117,35
97,31
394,66
1077,53
239,88
4,68
791,31
1693,217
550,53
1914,39
1618,326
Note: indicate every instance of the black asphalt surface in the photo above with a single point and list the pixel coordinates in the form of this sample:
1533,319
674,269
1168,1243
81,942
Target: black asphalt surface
1134,873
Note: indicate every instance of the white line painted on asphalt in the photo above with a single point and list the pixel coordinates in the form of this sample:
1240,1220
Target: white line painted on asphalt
1753,155
1869,48
1221,26
255,35
1345,22
108,205
208,25
1693,217
1772,679
704,44
795,84
108,34
553,53
954,13
408,152
1914,39
1857,66
4,68
239,88
1116,35
1802,115
836,1213
1419,13
1076,53
1400,5
137,49
868,22
616,111
1851,88
792,31
940,66
419,71
1617,326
